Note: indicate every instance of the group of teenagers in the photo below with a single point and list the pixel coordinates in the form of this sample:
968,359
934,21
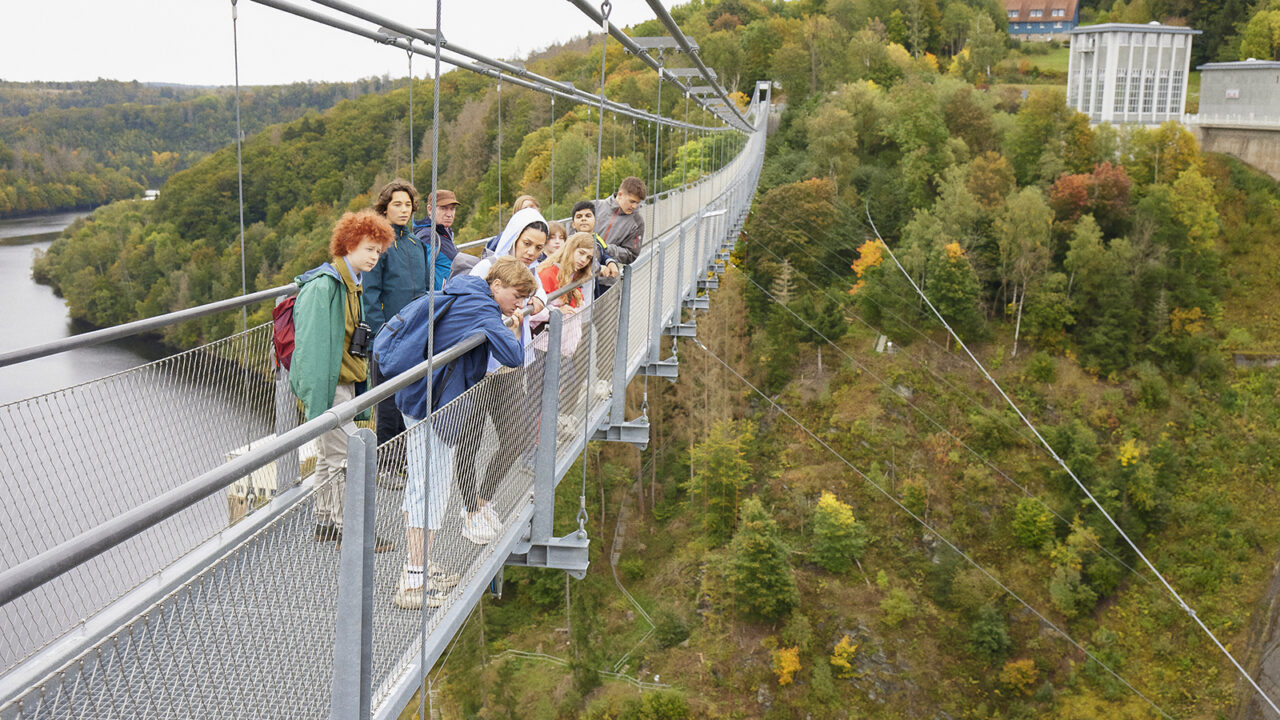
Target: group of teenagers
382,261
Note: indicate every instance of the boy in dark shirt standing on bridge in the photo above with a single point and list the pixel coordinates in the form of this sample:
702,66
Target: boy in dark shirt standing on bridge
327,369
618,222
399,277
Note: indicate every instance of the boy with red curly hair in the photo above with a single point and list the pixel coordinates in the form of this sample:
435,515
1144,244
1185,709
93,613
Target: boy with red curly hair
327,367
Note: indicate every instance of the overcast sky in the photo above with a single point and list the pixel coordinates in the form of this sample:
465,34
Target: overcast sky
190,41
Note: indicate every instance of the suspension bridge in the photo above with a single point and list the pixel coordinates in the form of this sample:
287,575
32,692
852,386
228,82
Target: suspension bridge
160,559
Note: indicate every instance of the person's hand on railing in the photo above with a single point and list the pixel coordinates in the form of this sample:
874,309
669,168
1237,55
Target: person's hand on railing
610,270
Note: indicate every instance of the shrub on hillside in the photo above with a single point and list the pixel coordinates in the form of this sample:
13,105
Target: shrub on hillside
989,635
670,628
1032,524
838,537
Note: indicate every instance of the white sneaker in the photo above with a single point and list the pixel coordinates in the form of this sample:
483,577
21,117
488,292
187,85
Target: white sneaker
568,426
602,390
476,529
439,579
413,598
491,516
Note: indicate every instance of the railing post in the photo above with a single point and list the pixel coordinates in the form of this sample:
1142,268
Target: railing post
352,693
288,471
621,356
681,287
544,467
655,324
700,258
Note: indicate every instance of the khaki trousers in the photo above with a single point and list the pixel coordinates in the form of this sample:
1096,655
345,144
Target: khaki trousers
331,461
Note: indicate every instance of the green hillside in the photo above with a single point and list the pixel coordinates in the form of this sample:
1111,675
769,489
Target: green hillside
78,145
794,531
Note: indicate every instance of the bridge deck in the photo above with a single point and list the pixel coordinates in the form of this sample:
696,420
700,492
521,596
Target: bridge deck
240,622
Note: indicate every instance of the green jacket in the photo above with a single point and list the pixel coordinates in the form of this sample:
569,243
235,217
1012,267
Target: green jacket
319,340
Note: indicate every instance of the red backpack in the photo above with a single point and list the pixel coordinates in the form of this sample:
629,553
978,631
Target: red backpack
282,331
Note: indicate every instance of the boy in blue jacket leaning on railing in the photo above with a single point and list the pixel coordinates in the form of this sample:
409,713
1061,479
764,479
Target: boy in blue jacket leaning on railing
331,342
468,304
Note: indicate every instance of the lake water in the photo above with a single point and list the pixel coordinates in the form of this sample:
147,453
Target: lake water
33,314
81,442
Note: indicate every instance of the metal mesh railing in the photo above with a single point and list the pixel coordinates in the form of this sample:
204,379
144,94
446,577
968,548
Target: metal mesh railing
640,324
75,458
252,633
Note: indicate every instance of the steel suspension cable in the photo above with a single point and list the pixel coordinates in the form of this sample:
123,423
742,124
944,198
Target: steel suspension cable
982,408
244,284
478,64
553,154
235,51
425,694
1083,488
409,51
499,232
925,524
605,8
936,423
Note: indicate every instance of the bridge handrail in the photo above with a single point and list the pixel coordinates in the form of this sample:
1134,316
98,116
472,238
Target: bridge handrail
35,571
565,221
137,327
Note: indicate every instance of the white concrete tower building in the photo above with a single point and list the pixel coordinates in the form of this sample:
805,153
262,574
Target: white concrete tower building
1121,73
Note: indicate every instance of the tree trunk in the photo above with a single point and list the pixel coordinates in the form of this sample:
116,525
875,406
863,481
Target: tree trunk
819,360
1017,326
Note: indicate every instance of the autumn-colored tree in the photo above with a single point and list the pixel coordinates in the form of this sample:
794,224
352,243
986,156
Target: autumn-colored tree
1192,201
870,255
786,663
1020,675
1109,198
1159,155
838,537
990,179
842,657
1069,197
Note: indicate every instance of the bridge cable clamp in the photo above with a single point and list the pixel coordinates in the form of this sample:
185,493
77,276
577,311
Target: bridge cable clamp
582,513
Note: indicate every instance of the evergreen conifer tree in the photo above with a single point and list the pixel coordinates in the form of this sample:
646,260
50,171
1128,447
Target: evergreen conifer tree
764,585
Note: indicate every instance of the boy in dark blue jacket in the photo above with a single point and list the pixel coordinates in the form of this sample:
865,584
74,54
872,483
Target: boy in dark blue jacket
494,306
397,280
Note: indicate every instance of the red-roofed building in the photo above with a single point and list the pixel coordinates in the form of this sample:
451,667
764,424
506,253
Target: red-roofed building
1042,19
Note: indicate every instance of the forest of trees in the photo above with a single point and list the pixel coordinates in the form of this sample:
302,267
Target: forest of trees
66,146
1105,277
139,259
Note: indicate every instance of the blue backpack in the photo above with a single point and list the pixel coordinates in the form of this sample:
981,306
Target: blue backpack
402,342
